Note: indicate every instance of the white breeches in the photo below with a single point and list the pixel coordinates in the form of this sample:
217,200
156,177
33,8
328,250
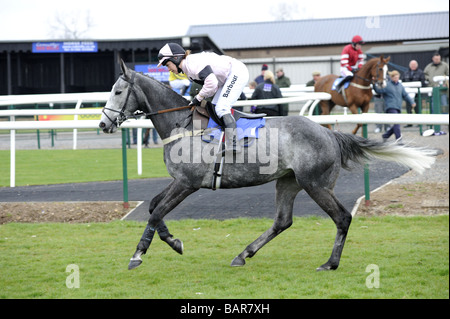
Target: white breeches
229,93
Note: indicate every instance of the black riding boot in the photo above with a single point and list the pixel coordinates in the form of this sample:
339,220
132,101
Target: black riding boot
341,84
231,143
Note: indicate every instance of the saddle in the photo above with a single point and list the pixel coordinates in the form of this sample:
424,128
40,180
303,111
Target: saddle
205,111
341,82
205,120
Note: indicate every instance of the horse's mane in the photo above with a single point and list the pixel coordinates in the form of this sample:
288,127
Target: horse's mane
163,86
373,61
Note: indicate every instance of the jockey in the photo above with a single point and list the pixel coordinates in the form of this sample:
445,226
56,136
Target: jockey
352,58
221,76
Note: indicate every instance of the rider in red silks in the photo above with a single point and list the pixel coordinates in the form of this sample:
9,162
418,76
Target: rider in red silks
352,58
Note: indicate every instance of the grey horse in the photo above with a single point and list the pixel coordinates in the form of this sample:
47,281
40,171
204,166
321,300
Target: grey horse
295,151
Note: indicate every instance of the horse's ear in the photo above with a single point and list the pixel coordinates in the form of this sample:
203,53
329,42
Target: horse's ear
381,57
387,59
124,68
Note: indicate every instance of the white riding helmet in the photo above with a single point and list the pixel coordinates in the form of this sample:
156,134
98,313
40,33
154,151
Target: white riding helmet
171,52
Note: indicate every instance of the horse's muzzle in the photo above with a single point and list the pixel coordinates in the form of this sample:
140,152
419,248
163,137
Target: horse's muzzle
108,130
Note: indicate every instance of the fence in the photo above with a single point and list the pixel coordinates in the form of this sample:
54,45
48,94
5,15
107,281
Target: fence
310,98
75,124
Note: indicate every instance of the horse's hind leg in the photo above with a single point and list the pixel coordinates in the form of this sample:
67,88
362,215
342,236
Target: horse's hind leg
286,190
326,107
356,129
326,199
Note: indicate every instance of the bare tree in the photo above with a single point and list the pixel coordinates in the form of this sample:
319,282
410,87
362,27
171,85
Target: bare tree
284,11
71,25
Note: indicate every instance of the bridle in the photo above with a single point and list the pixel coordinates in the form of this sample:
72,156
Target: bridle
372,81
122,117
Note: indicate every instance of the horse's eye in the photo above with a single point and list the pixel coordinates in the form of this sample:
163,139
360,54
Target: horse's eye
118,92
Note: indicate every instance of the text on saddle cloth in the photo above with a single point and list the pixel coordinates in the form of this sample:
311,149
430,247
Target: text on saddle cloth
336,83
246,129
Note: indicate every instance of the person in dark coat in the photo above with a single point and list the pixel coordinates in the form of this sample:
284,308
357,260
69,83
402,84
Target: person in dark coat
260,78
393,94
268,90
412,75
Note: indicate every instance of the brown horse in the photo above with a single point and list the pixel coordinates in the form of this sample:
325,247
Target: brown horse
359,92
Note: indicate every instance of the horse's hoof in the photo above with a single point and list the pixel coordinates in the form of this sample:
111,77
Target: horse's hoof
238,262
326,266
134,263
178,246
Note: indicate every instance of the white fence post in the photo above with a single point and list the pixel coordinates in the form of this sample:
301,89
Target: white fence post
12,168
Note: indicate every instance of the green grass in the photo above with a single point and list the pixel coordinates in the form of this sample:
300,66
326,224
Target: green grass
43,167
412,255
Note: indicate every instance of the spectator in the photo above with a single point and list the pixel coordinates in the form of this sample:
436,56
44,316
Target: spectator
268,90
315,77
413,74
283,82
435,68
252,85
393,94
260,78
179,82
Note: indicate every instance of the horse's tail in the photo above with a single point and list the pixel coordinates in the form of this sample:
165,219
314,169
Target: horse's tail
356,149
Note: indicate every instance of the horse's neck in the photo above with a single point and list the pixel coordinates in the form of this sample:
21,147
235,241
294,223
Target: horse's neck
363,75
161,98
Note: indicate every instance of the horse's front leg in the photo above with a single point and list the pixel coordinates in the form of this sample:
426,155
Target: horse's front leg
162,229
176,193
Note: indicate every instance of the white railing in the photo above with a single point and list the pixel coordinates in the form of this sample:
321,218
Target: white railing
54,98
311,98
75,124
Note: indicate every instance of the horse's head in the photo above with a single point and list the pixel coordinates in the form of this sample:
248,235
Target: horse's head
121,103
379,70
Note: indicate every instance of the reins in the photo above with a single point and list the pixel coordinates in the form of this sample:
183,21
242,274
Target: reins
168,110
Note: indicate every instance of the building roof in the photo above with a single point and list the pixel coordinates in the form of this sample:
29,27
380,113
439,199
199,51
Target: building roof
312,32
196,43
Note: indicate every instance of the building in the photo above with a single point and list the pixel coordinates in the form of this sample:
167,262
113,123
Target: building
302,46
79,66
299,46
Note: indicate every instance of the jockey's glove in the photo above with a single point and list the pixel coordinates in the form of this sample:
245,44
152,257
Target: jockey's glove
194,102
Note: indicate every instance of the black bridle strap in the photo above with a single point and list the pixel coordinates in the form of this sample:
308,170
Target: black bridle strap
368,80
